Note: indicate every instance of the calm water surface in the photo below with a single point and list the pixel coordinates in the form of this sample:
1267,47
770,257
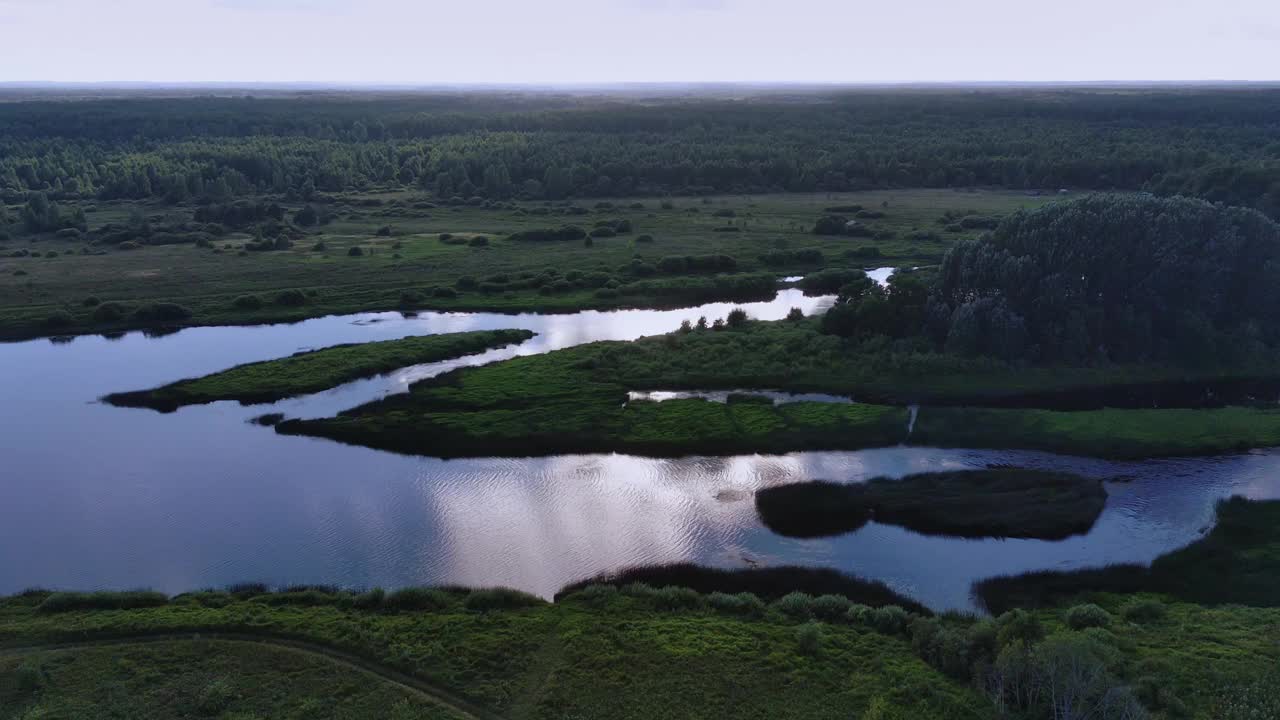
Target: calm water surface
94,496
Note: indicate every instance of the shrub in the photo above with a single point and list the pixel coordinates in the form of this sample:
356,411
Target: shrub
59,319
796,605
725,212
466,282
414,598
410,298
644,238
830,225
67,234
30,676
596,595
247,302
214,698
1088,615
1144,610
162,312
384,231
809,638
91,301
1018,627
860,614
831,607
737,318
291,298
677,598
500,599
72,601
890,619
320,247
743,603
795,315
604,232
444,292
606,293
355,251
109,312
128,245
479,241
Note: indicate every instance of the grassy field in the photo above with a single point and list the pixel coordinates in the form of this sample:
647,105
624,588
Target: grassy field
199,679
406,267
977,503
316,370
617,656
1109,433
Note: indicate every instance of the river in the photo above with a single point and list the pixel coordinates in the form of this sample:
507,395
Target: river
93,496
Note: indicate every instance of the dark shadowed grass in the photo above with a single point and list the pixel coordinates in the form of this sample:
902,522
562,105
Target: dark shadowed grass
1238,562
767,583
316,370
977,503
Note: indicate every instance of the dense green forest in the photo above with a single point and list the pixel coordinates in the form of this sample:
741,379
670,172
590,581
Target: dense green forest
1218,144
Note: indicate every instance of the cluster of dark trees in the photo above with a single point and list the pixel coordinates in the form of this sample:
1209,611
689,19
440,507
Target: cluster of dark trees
1218,144
1114,278
1102,279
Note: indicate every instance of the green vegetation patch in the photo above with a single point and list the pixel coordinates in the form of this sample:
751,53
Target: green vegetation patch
200,679
1109,433
575,400
617,656
316,370
976,503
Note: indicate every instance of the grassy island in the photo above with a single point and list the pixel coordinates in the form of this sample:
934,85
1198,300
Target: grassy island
977,503
316,370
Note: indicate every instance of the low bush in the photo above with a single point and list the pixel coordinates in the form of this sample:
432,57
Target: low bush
109,312
72,601
291,298
796,605
355,251
413,598
247,302
744,603
809,639
500,599
1144,610
59,319
1087,615
162,312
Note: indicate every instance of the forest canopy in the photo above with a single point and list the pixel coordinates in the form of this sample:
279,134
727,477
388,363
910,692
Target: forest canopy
1114,278
1217,144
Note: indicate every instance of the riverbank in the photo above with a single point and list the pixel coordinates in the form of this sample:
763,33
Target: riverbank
576,401
458,258
978,503
316,370
1237,562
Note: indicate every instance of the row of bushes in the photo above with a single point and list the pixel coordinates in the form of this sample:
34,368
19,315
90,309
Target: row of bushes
114,312
411,599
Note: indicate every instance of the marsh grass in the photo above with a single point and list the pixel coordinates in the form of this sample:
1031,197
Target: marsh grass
316,370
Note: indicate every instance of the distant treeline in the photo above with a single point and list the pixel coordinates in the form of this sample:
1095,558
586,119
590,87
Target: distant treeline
1222,145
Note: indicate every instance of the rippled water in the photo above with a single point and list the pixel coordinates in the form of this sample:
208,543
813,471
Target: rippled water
95,496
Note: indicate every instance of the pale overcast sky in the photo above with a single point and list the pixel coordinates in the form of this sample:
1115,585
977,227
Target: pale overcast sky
601,41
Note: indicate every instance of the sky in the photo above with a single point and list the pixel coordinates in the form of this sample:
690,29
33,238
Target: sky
621,41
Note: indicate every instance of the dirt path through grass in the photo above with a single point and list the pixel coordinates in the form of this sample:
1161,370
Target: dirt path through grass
414,685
